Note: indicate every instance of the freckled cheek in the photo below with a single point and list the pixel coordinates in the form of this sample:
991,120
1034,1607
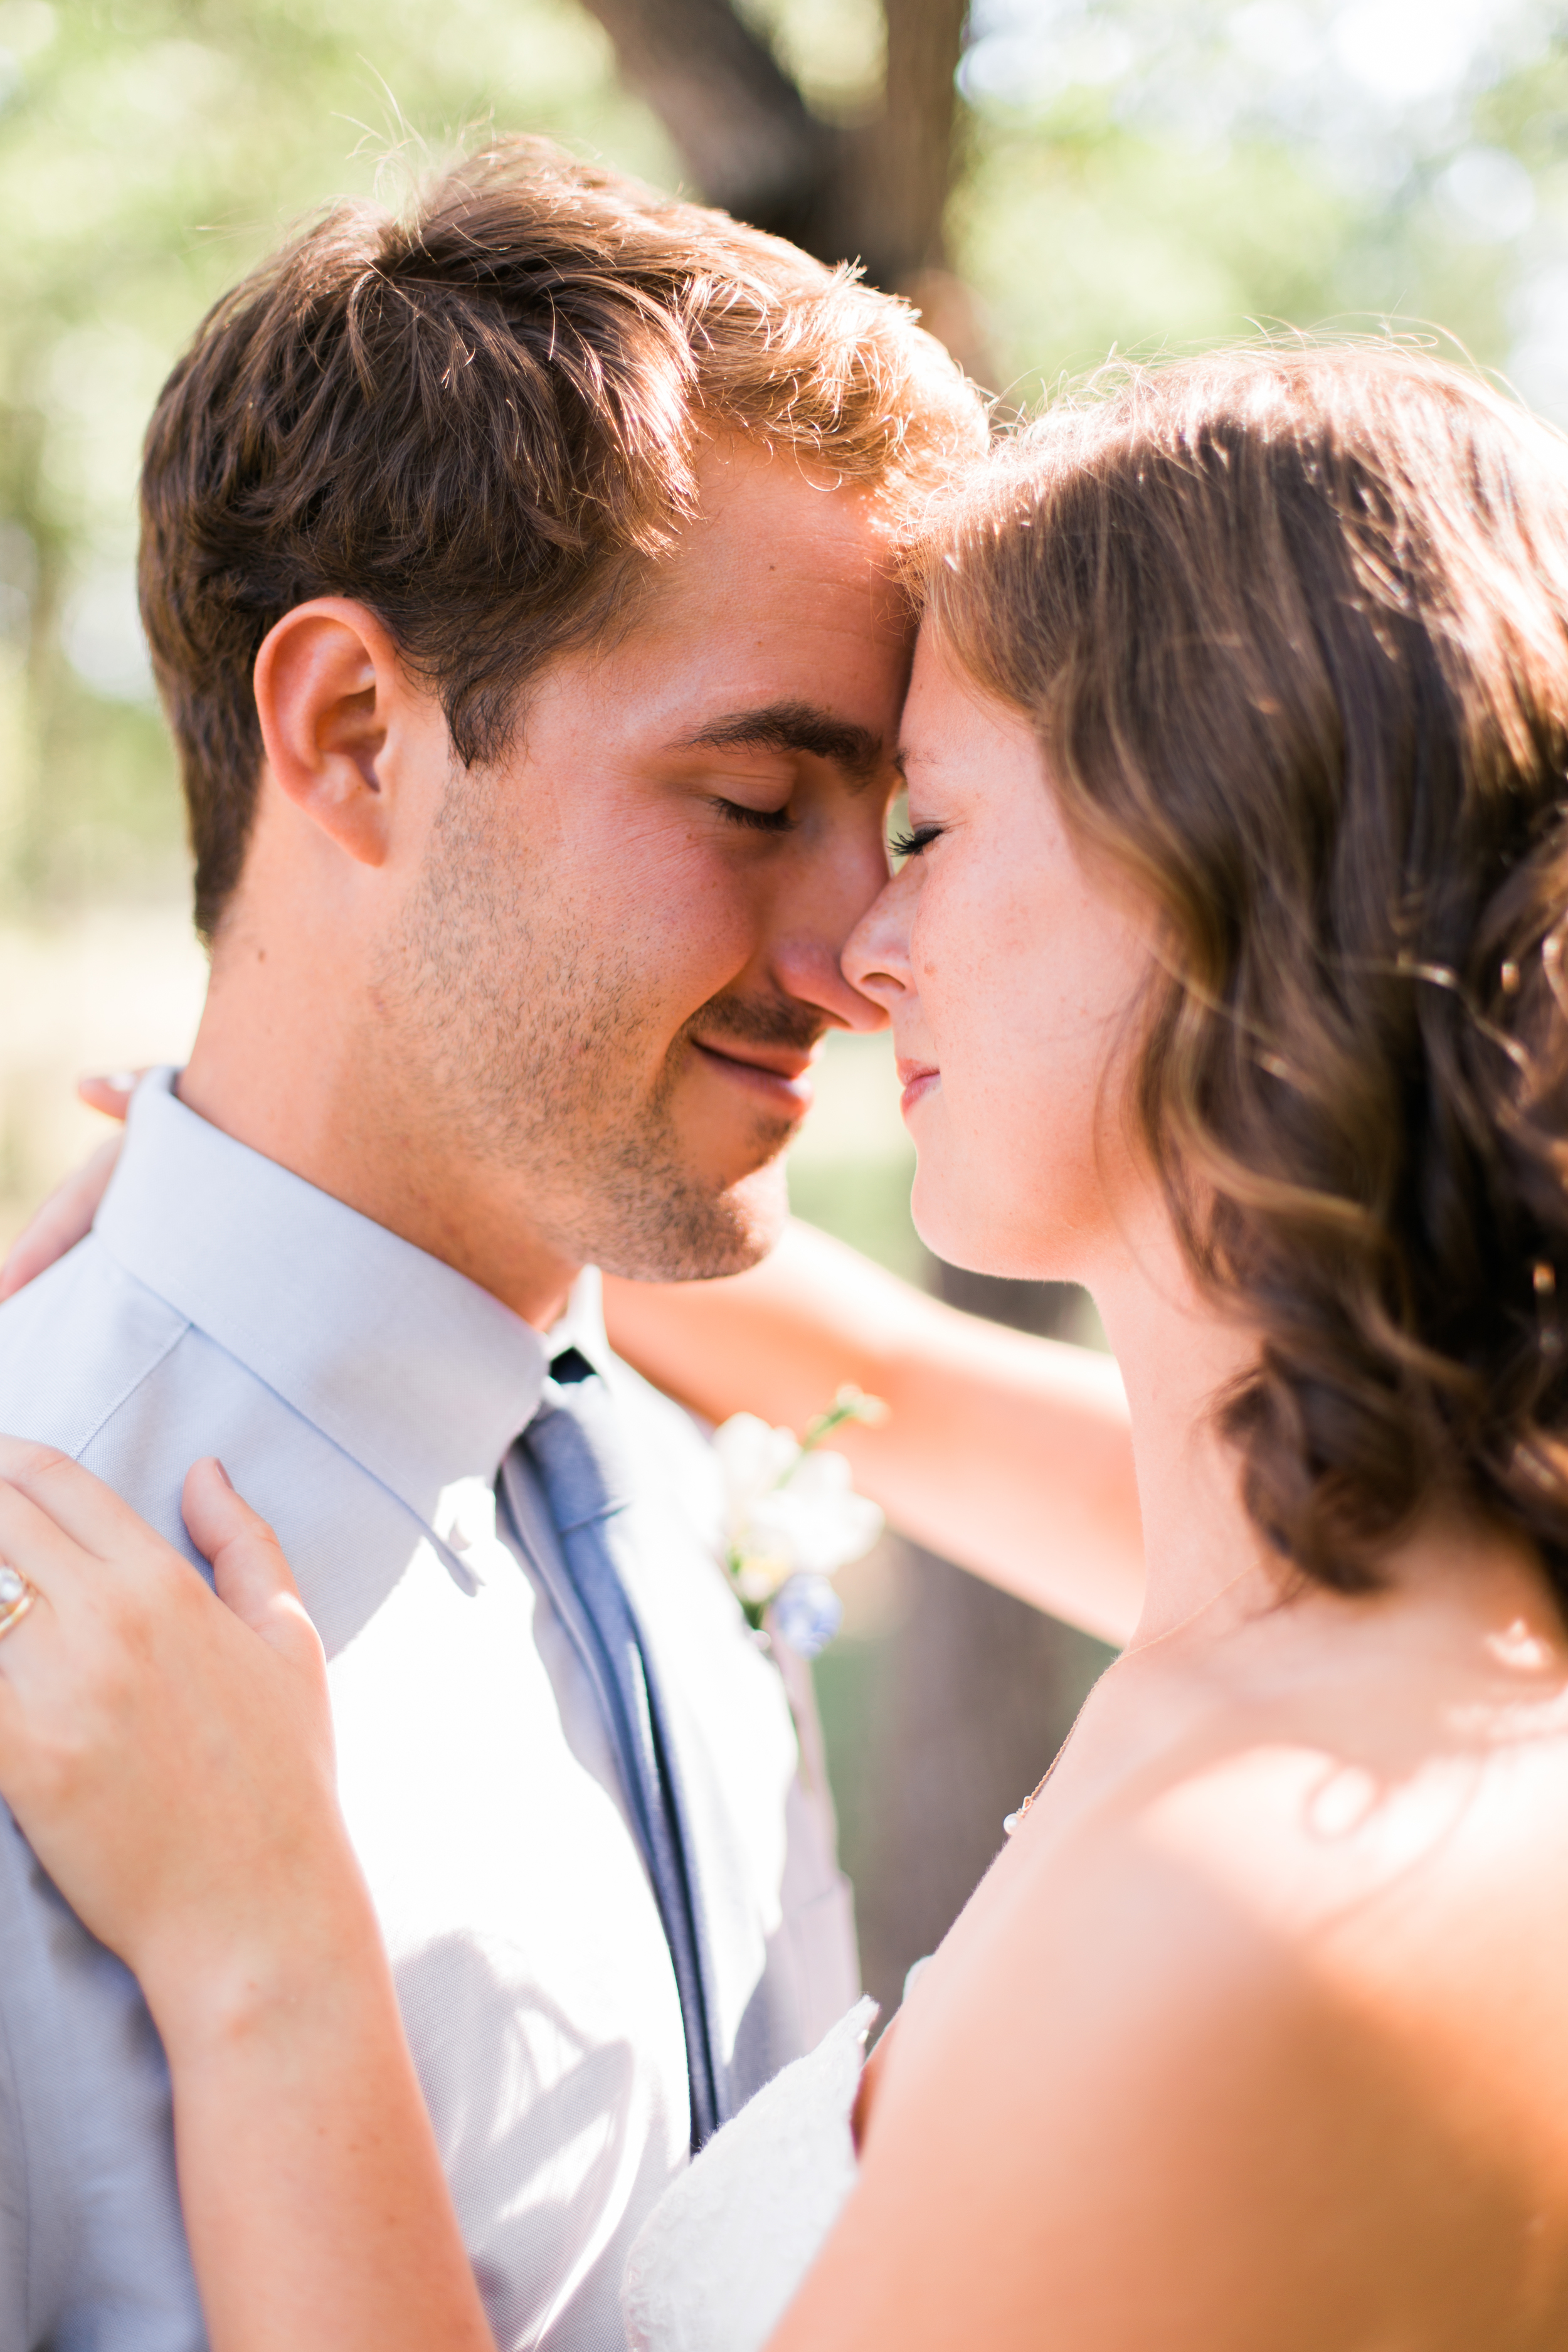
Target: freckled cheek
964,956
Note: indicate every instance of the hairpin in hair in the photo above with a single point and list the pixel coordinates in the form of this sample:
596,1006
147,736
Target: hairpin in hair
1440,975
1543,1279
1444,976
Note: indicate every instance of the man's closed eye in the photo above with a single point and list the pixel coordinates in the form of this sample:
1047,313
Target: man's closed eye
756,820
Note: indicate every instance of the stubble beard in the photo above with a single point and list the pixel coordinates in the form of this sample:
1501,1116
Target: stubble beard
530,1042
645,1215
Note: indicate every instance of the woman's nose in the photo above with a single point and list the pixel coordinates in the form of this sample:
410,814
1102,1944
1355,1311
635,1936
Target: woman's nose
877,956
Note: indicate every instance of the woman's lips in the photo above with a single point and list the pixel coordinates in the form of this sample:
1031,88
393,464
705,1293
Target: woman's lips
782,1080
918,1080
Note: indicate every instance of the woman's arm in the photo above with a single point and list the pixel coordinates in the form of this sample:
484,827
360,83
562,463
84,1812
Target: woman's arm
1006,1454
189,1815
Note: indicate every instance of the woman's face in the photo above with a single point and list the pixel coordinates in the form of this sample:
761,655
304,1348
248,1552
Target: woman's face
1011,965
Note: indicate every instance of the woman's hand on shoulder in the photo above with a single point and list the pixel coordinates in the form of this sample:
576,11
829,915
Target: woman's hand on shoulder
168,1754
66,1217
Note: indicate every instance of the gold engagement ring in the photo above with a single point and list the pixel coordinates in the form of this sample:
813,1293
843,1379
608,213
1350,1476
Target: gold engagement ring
16,1597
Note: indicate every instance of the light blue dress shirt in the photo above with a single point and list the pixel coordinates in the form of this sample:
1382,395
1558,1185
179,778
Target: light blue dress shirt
363,1395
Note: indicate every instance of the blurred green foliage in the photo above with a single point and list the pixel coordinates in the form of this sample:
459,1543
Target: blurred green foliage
149,154
1148,173
866,1201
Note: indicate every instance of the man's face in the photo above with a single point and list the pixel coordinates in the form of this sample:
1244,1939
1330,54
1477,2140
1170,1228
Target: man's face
624,945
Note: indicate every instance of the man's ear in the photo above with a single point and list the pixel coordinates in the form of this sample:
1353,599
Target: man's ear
329,691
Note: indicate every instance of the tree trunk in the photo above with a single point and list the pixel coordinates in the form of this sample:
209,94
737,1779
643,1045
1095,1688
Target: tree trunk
973,1697
873,193
968,1703
740,125
898,168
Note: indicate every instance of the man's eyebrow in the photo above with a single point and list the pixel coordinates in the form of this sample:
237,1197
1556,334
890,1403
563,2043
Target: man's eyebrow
792,727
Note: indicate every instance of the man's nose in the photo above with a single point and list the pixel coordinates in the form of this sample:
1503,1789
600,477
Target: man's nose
810,972
839,874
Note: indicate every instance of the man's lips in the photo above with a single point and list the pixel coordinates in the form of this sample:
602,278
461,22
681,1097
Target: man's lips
781,1075
918,1080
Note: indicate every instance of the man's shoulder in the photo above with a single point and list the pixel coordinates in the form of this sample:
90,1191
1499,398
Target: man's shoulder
76,1344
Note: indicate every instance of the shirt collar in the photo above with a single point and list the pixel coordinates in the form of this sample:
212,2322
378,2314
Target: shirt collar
413,1370
583,1325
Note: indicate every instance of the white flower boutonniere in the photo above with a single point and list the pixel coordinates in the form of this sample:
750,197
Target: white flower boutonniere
793,1518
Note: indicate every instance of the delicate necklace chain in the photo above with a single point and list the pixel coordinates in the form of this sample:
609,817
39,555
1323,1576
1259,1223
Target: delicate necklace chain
1011,1822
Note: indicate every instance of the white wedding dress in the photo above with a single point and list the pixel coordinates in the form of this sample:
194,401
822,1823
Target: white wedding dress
717,2260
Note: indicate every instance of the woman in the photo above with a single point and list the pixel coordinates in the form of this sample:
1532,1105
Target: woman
1225,975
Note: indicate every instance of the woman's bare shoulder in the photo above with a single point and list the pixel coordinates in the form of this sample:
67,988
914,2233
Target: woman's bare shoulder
1201,2077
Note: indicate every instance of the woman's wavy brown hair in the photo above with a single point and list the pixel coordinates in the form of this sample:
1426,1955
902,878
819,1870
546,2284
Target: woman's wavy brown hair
1292,625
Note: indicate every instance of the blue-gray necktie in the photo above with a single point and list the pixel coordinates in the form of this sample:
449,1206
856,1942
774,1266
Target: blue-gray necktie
572,1444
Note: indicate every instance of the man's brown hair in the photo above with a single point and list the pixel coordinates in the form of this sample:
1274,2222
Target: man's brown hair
1293,626
479,420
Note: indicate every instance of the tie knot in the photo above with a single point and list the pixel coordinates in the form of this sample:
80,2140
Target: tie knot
576,1446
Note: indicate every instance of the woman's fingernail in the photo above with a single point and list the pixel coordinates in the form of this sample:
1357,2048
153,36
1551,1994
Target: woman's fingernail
123,1081
223,1474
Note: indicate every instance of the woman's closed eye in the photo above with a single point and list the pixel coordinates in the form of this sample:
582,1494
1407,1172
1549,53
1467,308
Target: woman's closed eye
917,838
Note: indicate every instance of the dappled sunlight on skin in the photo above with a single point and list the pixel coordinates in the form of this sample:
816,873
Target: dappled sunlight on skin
1228,2050
1345,1796
1520,1648
1249,1920
1321,1837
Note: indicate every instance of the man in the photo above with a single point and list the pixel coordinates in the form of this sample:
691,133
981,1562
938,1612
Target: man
521,582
